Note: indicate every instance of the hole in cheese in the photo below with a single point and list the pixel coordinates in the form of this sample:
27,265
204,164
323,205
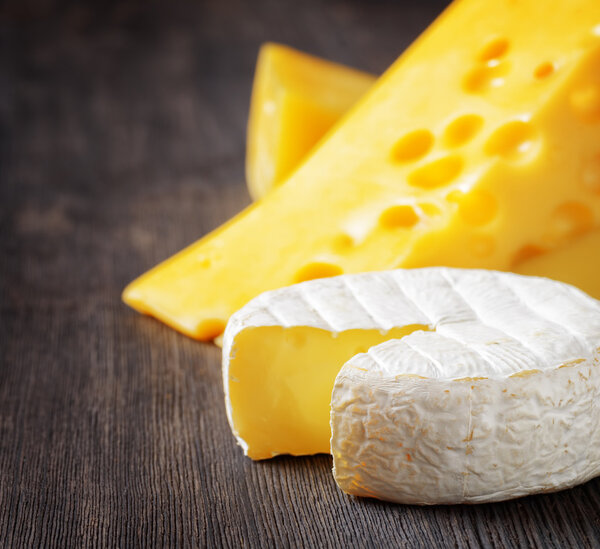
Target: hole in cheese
591,174
585,102
462,130
475,207
436,173
485,77
317,269
512,141
342,242
402,216
570,219
412,146
543,70
293,371
494,49
529,251
204,262
430,209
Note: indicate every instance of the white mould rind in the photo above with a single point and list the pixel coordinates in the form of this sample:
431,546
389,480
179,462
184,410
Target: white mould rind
432,441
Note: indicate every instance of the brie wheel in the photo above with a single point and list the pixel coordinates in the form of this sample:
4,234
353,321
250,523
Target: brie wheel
474,385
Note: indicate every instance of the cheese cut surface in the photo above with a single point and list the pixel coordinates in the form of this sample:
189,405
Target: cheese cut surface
279,383
476,149
476,385
296,99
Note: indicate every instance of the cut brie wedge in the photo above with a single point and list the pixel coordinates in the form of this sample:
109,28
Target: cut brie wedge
475,385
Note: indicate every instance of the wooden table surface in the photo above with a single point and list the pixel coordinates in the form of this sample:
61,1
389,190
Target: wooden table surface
122,130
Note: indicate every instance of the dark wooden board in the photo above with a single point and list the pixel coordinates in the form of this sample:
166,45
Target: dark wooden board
122,130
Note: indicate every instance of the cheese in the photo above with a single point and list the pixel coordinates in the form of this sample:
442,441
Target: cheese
500,401
577,263
296,99
476,149
278,383
282,351
472,385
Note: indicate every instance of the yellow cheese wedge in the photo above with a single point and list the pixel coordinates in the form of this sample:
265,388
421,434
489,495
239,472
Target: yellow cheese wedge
480,147
296,99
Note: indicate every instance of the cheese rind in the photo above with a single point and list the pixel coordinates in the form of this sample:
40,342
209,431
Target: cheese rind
435,441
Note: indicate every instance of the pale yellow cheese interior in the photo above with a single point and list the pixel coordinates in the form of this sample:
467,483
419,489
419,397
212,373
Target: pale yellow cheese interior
280,382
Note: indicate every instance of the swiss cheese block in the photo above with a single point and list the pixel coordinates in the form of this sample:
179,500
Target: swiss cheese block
480,147
471,385
296,99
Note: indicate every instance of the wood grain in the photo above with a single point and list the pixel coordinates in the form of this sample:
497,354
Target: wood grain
122,140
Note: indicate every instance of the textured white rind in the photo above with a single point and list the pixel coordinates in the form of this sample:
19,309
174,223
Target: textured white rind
487,324
432,441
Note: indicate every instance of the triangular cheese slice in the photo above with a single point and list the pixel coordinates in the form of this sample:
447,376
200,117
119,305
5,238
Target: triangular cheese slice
478,148
296,99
